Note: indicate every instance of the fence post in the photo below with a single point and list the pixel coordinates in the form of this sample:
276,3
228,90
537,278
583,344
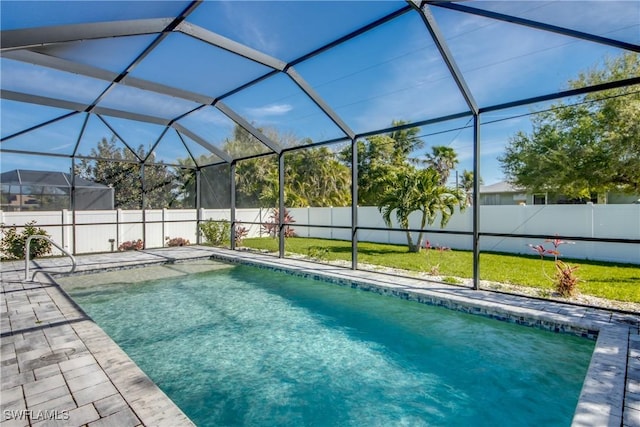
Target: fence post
199,221
65,235
592,219
331,221
118,227
164,213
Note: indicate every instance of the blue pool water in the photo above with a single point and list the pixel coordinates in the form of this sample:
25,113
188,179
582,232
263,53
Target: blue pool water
244,346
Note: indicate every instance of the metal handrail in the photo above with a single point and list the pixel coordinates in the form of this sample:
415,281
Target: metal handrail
27,256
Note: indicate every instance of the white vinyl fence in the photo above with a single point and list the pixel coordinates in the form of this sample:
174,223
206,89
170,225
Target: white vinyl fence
588,221
105,230
102,231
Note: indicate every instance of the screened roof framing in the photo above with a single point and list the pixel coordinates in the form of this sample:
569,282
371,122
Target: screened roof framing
177,77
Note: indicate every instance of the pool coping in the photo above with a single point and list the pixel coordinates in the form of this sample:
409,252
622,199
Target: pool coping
66,371
611,390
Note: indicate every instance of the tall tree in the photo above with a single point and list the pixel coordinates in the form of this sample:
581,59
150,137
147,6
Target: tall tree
442,159
586,148
120,168
215,186
257,182
313,176
405,141
418,190
255,177
379,157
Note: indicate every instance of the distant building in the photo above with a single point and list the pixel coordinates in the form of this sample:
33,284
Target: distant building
503,193
29,190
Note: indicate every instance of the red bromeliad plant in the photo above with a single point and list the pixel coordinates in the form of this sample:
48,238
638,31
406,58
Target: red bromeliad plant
271,227
564,278
435,269
176,241
132,245
240,233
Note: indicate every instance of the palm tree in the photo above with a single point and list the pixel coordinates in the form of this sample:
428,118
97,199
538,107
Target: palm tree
443,159
466,184
419,190
405,141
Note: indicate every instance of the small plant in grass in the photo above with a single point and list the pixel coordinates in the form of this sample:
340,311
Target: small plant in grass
216,232
564,277
271,226
12,245
317,252
131,245
176,241
452,280
239,234
434,270
545,293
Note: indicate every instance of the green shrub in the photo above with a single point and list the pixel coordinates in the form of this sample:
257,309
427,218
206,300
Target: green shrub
217,233
317,252
13,242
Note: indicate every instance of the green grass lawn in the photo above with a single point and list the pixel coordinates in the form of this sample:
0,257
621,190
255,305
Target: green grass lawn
606,280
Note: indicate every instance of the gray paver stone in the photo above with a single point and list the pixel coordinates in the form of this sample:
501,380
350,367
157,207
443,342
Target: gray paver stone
96,392
63,403
110,405
17,379
77,362
83,415
83,370
11,396
87,380
46,371
49,394
43,385
14,422
124,418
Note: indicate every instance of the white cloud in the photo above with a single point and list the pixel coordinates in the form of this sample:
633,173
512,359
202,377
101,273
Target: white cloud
269,110
248,30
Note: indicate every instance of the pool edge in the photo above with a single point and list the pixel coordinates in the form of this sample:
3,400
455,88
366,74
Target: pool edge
603,396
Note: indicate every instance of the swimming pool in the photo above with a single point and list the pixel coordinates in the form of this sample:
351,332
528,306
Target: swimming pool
247,346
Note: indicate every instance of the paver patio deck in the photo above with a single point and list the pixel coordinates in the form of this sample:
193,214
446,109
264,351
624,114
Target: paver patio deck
60,368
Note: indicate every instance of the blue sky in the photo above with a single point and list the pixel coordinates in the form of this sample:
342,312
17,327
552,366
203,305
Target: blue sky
393,72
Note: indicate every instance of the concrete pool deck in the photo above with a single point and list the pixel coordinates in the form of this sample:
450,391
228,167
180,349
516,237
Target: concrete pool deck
59,368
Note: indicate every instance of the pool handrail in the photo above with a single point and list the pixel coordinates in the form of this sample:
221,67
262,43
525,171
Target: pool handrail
27,256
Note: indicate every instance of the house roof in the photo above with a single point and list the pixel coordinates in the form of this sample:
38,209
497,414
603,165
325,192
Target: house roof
45,179
500,187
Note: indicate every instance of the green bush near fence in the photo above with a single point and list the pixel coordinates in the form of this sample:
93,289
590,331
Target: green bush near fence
601,279
216,233
12,245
